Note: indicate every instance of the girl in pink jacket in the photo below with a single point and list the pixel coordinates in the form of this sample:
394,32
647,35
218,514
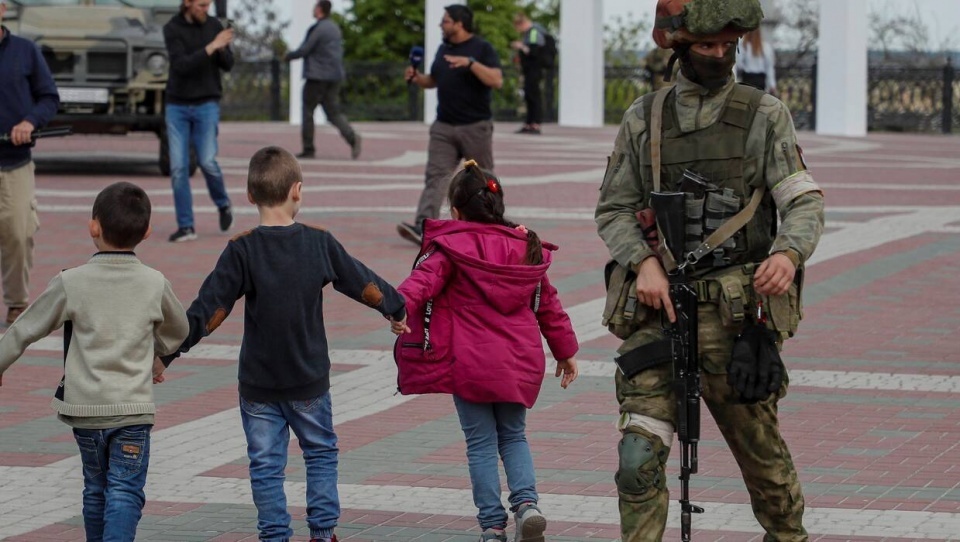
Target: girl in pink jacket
478,300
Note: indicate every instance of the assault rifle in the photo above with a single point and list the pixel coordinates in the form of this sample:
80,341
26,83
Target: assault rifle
57,131
670,210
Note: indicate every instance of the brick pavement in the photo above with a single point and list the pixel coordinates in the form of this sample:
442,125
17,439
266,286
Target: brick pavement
872,418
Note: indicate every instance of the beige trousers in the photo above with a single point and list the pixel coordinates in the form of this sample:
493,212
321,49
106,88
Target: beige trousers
18,224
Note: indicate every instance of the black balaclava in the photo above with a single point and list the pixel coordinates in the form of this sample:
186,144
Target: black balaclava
709,72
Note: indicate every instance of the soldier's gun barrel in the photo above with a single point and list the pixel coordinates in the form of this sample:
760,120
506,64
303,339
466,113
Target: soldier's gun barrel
56,131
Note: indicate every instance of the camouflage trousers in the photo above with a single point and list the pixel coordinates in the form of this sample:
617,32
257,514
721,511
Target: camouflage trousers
752,433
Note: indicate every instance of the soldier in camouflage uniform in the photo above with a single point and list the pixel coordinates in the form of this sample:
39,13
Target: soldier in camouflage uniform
740,139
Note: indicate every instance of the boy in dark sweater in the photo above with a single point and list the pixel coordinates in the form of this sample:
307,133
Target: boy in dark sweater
280,268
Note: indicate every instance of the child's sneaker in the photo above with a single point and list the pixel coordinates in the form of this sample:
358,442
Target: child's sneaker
530,523
323,539
498,535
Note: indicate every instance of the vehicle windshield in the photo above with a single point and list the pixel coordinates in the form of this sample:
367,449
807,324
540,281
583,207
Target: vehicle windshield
132,3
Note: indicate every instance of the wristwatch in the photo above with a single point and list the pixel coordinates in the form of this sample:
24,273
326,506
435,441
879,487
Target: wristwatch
472,60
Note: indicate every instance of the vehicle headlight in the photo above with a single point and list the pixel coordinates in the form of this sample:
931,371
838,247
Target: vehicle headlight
157,64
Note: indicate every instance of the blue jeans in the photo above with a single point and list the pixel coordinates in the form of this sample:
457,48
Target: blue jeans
267,426
195,125
114,472
492,428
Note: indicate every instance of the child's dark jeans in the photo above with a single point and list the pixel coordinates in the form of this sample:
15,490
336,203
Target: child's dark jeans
114,463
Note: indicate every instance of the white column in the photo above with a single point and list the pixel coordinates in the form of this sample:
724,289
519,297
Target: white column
581,63
432,38
842,68
301,18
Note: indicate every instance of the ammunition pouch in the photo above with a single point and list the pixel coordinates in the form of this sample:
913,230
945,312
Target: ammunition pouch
732,291
623,314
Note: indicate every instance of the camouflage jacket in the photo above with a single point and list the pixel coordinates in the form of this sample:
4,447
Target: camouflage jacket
772,140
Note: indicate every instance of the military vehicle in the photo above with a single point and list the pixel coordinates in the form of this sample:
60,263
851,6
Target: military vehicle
108,59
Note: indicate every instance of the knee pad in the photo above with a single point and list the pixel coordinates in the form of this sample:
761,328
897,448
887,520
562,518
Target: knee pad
643,458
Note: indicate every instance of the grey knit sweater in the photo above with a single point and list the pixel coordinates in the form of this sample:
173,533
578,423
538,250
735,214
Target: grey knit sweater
121,313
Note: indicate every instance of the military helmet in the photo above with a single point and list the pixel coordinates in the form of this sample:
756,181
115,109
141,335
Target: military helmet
689,21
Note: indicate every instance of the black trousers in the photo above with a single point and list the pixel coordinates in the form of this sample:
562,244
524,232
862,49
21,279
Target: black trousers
533,95
327,95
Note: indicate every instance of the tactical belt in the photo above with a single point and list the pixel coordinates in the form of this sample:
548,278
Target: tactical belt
709,289
644,357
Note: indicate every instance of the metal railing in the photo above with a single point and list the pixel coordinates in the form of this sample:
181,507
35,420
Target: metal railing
899,98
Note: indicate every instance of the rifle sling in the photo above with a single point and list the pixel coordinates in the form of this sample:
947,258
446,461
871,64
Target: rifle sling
644,357
728,228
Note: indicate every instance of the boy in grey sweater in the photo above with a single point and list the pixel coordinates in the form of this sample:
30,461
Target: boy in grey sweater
117,314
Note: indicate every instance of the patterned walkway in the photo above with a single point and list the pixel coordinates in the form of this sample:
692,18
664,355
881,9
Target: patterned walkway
872,418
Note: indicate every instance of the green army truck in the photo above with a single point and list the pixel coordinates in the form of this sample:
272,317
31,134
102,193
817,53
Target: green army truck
108,60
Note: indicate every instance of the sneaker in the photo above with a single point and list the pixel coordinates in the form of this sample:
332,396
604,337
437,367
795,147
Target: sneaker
306,154
530,523
324,539
410,232
493,534
13,313
529,130
226,218
183,234
355,147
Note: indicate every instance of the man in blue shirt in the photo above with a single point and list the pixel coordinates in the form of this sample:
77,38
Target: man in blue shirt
28,100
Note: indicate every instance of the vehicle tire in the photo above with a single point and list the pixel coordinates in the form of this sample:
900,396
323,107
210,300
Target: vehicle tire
164,158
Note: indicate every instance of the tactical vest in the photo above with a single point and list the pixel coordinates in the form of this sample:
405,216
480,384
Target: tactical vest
718,154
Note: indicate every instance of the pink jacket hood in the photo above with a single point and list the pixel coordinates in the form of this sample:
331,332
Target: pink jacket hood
491,257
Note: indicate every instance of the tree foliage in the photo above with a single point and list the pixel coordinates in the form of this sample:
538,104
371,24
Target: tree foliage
258,29
385,30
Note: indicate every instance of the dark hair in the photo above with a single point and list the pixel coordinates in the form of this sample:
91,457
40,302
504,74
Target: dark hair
272,172
461,14
325,6
478,197
123,211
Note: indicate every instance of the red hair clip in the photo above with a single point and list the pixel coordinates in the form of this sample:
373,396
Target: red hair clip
492,186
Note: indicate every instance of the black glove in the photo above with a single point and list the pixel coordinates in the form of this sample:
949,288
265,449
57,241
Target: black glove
755,369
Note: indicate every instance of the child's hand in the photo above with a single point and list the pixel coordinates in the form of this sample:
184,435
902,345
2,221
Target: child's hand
399,327
569,369
158,369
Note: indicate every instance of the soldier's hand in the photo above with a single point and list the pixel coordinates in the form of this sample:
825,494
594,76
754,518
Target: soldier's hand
653,288
20,134
774,275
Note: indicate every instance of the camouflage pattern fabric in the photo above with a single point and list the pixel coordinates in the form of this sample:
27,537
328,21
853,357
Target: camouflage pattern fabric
751,431
711,16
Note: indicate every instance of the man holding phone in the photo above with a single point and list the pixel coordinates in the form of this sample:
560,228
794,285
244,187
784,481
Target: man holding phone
199,48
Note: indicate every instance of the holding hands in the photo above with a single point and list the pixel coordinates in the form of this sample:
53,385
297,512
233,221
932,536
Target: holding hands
399,327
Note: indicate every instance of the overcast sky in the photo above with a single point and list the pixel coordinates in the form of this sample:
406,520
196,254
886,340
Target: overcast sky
942,17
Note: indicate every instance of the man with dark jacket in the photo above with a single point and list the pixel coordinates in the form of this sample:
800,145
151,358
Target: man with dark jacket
199,48
322,51
28,100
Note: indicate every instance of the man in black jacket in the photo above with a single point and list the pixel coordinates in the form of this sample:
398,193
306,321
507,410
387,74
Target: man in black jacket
199,47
